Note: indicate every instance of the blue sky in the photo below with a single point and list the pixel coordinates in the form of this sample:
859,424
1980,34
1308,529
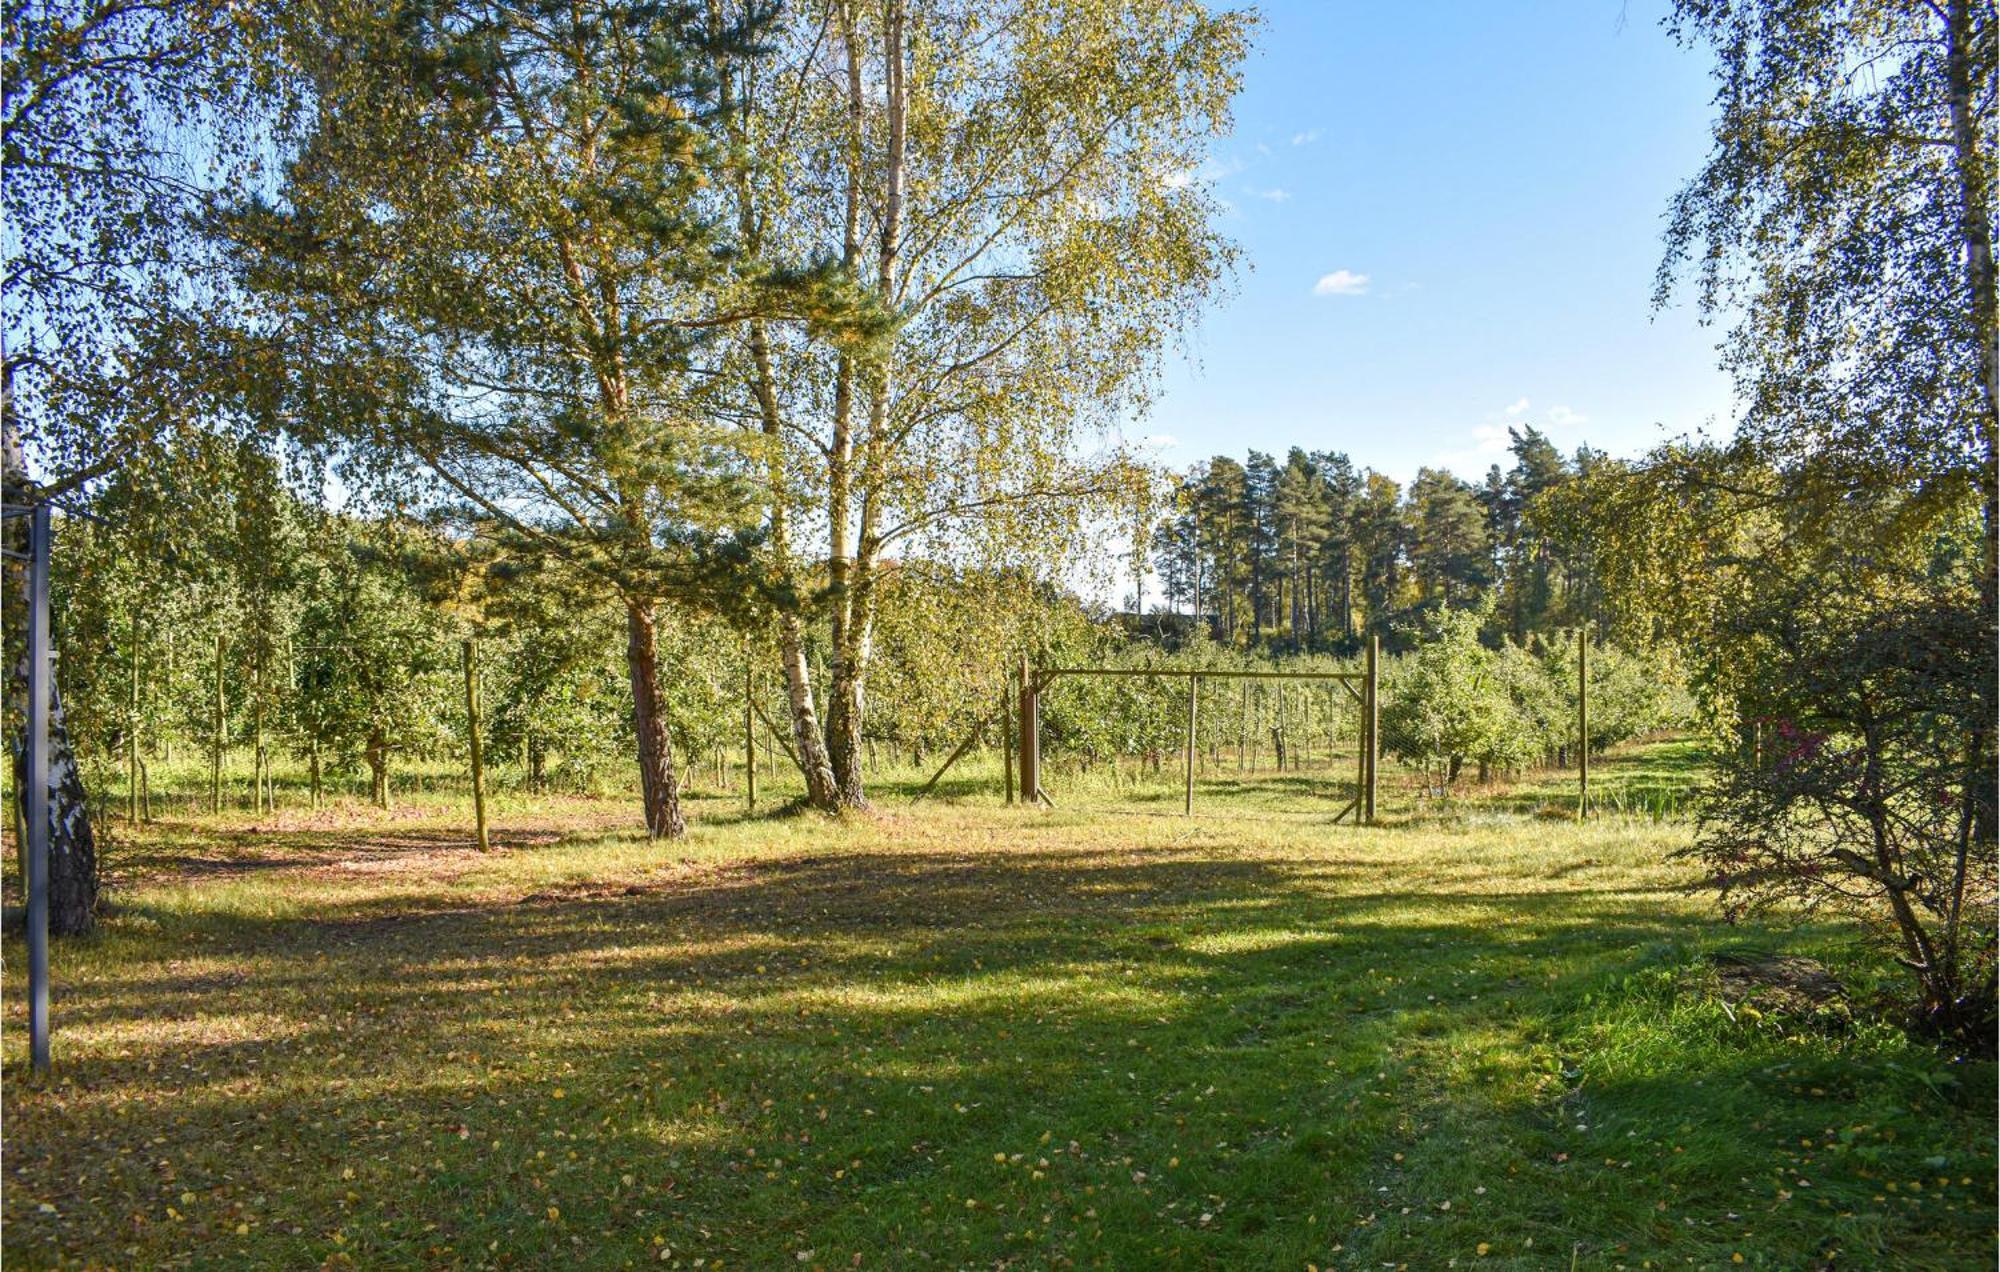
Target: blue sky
1481,186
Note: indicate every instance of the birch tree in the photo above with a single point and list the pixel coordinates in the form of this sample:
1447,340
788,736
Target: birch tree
1845,211
1014,185
118,119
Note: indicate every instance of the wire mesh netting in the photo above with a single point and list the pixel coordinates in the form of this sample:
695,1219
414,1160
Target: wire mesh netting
1263,747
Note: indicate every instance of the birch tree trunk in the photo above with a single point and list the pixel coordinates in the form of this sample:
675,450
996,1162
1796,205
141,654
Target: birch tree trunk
854,575
72,844
72,872
1976,230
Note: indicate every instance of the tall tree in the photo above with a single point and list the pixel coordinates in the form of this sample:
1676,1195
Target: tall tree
1379,539
1223,497
1340,485
118,119
1845,212
491,262
1449,553
1299,514
1006,182
1529,565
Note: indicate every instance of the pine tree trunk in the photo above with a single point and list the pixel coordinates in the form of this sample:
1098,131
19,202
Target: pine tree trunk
659,789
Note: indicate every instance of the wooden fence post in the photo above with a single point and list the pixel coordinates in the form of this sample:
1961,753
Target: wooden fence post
1582,720
132,736
1361,755
472,738
749,734
1243,726
1194,692
1031,756
1373,732
215,754
259,769
1007,740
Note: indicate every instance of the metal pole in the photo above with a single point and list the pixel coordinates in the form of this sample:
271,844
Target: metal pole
749,734
1582,720
1374,725
37,794
1194,692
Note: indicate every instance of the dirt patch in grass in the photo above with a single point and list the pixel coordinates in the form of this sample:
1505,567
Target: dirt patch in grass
1779,982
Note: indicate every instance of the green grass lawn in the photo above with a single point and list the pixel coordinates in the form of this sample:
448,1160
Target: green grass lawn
959,1035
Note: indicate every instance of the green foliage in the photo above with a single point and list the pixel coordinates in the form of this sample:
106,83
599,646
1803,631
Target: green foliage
1456,699
373,667
1830,575
1445,703
1854,795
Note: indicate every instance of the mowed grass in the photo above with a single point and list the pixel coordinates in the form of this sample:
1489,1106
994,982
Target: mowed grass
959,1035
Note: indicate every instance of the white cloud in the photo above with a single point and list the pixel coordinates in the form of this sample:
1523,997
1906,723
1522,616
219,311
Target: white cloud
1563,417
1341,282
1276,194
1518,407
1159,441
1179,179
1305,138
1487,443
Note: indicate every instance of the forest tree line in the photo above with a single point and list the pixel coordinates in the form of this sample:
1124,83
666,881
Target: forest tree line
1316,553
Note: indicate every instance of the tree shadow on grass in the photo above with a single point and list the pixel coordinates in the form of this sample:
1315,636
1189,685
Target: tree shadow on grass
820,1052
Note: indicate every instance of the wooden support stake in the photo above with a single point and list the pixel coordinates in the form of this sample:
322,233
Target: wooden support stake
749,735
776,736
1374,751
1007,741
1194,693
215,754
963,747
1583,720
1360,748
132,736
1030,746
473,744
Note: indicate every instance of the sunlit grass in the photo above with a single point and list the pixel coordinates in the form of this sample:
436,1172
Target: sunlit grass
958,1035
